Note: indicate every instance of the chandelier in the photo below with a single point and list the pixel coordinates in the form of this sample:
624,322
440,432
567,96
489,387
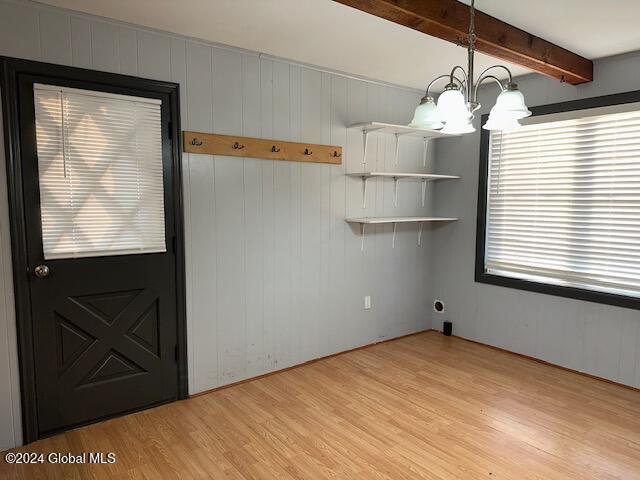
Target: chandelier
456,105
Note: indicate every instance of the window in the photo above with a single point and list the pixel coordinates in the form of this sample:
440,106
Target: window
561,205
100,173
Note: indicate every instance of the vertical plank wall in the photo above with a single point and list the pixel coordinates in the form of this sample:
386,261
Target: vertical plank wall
275,276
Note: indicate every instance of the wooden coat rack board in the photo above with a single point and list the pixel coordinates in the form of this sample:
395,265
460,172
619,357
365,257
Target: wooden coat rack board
230,145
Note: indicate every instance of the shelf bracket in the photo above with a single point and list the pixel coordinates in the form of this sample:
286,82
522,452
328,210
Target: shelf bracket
393,238
364,192
397,155
424,190
420,233
365,142
395,191
362,237
424,151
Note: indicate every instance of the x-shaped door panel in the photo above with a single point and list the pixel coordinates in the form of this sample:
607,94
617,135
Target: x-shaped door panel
126,342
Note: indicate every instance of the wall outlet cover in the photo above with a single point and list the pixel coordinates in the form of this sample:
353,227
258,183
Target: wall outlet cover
367,302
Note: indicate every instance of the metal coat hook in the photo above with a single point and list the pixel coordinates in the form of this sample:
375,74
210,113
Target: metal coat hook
275,149
195,142
336,154
307,151
237,146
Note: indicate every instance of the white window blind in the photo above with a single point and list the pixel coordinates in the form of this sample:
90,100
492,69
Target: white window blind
100,173
563,203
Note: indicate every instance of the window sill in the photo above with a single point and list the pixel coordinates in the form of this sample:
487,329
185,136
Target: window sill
559,291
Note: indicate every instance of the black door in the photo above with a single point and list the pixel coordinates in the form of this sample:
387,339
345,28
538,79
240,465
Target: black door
104,328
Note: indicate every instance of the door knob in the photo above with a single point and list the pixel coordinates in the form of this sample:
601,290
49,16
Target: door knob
41,271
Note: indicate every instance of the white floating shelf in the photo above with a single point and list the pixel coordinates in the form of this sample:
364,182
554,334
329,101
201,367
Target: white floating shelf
367,127
421,176
424,177
399,131
372,220
395,221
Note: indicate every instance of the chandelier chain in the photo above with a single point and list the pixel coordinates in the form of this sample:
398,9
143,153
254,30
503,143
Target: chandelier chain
472,26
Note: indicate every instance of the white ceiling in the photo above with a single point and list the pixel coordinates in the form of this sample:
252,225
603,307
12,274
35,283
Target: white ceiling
591,28
333,36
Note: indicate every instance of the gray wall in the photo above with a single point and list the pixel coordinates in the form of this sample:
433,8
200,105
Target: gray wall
275,276
598,339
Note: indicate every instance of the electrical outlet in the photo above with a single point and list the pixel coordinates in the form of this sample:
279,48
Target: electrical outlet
367,302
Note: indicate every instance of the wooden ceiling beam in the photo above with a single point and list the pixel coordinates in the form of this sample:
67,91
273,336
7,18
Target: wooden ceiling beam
449,20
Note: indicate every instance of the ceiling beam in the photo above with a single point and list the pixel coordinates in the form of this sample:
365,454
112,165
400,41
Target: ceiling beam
449,20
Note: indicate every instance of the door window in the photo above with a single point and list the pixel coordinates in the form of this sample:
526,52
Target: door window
100,173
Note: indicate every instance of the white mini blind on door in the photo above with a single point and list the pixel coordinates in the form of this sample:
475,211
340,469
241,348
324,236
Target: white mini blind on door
563,203
100,173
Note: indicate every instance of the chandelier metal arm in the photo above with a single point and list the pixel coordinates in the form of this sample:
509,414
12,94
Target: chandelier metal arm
498,66
481,79
451,79
464,74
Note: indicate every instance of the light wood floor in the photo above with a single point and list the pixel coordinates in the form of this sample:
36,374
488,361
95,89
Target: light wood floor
424,406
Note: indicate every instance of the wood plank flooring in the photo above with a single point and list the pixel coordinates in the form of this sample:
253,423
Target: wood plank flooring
421,407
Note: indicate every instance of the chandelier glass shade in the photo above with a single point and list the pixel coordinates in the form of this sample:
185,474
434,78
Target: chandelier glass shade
454,111
459,127
426,115
501,123
509,108
452,106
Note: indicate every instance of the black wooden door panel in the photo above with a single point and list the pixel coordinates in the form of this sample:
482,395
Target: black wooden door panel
101,335
104,345
105,327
